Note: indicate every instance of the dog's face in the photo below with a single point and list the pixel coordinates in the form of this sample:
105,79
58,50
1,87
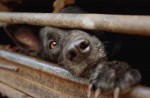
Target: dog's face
75,50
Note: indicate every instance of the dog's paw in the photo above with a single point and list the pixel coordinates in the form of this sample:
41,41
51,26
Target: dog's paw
113,78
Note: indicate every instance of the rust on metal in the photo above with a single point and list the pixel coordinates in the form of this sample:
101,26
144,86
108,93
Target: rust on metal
10,92
41,79
39,65
127,24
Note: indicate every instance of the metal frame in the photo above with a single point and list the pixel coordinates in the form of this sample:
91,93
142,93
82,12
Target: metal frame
41,79
127,24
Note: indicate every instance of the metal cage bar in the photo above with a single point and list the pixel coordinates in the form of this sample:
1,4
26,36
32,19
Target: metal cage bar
128,24
41,79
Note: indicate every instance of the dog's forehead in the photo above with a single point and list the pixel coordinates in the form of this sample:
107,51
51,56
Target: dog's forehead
80,33
51,32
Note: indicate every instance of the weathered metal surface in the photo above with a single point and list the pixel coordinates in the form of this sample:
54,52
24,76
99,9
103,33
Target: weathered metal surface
128,24
40,65
11,92
42,79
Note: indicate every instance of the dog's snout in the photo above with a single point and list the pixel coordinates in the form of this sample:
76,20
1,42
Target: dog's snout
78,49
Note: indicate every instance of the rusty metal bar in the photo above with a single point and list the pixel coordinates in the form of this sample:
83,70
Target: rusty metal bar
128,24
11,92
40,65
42,79
139,92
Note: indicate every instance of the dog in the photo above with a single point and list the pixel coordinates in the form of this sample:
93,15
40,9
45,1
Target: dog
102,57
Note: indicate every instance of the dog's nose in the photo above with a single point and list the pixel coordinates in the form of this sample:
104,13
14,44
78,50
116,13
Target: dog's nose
78,49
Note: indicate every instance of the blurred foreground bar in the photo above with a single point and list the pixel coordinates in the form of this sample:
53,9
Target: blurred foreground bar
127,24
41,79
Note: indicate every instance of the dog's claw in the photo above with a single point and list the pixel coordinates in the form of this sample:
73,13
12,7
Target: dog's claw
114,78
89,90
117,92
97,93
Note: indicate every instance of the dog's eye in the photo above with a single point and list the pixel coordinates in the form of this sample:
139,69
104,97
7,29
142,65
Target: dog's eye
52,44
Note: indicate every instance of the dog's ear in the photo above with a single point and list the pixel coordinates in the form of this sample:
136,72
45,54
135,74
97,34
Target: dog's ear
24,37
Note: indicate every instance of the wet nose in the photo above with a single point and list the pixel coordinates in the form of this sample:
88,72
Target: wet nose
78,49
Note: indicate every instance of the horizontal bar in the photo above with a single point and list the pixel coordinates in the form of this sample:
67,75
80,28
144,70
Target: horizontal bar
37,89
40,65
30,68
41,81
11,92
127,24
